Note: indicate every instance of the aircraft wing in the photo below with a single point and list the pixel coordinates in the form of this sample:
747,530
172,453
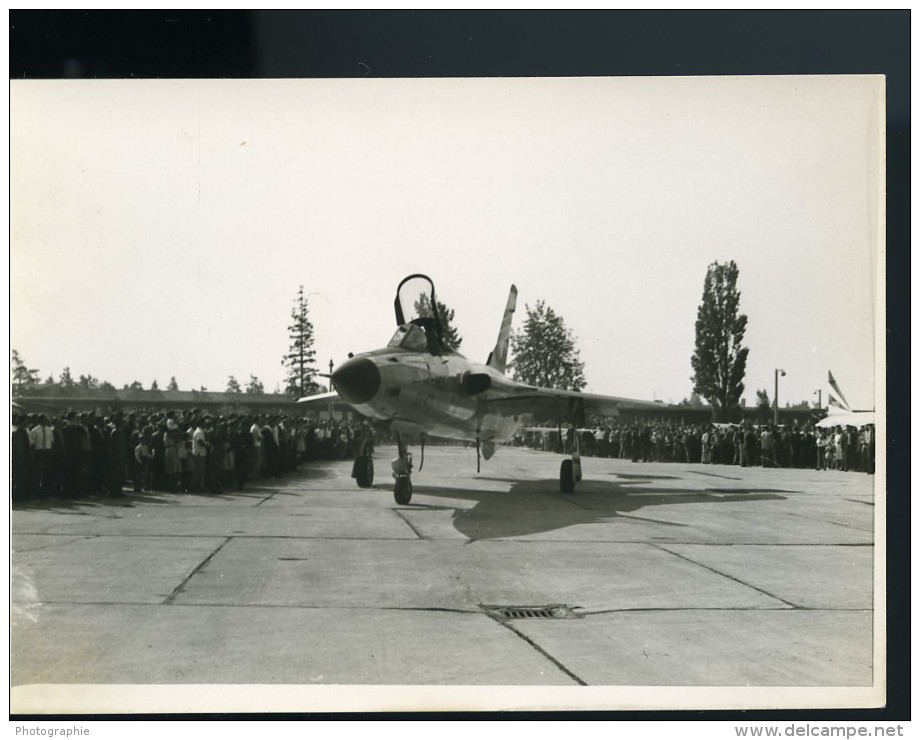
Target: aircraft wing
323,402
545,403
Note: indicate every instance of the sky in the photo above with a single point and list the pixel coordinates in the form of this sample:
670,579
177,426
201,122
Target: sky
161,228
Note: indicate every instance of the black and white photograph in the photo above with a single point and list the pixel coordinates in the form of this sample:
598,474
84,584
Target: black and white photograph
447,394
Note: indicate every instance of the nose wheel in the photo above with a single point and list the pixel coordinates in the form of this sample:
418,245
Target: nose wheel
402,473
402,492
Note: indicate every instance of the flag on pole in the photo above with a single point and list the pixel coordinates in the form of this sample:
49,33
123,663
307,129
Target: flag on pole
830,379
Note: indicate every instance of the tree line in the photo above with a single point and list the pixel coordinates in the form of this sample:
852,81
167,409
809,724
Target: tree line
544,351
26,380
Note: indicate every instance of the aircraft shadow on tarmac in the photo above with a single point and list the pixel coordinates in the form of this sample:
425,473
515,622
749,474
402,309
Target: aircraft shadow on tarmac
536,506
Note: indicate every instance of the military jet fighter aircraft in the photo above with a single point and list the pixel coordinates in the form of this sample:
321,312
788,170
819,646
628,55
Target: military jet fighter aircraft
417,385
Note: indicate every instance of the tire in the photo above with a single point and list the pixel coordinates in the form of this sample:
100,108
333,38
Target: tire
566,477
403,490
364,471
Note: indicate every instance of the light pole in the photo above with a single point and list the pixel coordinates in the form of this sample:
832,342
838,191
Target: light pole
776,373
819,398
331,365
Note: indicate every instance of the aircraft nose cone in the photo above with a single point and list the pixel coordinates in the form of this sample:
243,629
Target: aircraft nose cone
357,381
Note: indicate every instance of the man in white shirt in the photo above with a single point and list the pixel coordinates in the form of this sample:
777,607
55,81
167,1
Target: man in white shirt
199,456
41,440
255,459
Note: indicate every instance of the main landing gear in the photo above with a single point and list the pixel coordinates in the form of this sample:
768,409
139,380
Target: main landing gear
363,469
570,470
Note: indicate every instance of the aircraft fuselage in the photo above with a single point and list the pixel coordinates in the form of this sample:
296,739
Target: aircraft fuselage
418,392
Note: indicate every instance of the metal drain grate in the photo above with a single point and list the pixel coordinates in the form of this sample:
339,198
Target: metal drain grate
549,611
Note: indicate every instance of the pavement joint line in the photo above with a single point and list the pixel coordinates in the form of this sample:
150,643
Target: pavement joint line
535,646
439,609
409,524
244,536
269,497
223,605
714,475
568,500
726,575
752,610
828,521
181,587
72,539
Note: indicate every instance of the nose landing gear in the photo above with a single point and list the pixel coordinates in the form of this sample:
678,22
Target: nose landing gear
402,473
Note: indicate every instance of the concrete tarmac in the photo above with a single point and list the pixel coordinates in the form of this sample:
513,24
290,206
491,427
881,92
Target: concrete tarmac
753,586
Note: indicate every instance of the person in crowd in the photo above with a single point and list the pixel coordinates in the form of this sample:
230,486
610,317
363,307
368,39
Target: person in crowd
71,468
766,448
269,449
173,440
143,460
199,455
20,458
241,442
94,453
218,454
116,458
41,442
869,449
821,450
840,449
255,451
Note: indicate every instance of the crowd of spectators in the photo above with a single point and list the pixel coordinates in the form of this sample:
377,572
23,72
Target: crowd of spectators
789,446
82,455
79,455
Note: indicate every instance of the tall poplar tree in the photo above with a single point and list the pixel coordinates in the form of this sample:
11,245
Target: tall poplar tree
719,360
544,352
301,355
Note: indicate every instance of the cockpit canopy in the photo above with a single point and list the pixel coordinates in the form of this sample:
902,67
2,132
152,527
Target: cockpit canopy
422,331
411,337
419,335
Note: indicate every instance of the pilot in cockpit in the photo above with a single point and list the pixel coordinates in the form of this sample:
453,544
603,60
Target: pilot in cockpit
417,339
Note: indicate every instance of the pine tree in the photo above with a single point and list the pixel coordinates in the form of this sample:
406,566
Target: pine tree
66,379
719,361
88,382
544,352
449,334
24,378
301,356
173,385
255,385
233,385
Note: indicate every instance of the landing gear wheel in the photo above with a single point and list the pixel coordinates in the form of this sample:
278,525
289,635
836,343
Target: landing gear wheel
403,490
364,471
567,477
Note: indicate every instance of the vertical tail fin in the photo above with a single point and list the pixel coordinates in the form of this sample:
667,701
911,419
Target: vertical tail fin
498,358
